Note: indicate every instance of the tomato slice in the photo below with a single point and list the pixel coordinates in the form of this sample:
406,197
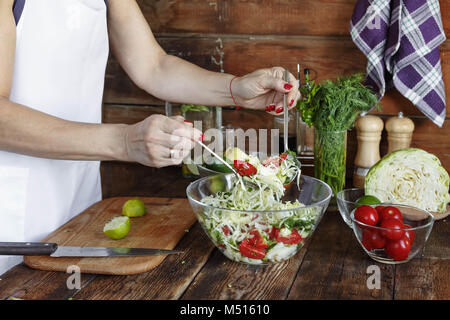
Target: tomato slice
244,168
293,238
273,233
257,240
250,251
226,231
274,161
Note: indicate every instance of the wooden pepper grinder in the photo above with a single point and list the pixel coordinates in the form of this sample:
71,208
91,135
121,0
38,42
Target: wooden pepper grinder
400,131
368,134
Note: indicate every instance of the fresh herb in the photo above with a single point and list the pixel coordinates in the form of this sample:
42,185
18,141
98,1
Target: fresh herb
309,103
193,108
332,108
334,105
217,236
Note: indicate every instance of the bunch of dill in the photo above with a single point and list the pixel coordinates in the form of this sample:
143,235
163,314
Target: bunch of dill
338,103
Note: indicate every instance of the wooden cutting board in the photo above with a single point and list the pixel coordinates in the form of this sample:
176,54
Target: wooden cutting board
165,223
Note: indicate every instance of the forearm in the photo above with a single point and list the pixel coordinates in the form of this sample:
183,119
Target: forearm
30,132
177,80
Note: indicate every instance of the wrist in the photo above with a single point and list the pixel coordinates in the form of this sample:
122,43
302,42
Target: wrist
234,92
118,147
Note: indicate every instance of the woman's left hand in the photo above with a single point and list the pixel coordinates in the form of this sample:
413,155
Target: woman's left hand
264,89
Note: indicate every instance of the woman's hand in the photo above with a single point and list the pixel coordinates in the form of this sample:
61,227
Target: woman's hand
264,89
159,141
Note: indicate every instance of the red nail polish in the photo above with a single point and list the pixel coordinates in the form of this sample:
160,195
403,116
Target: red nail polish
279,110
288,86
202,137
187,121
292,102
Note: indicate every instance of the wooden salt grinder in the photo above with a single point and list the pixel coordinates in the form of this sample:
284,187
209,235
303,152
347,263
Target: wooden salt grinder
400,131
368,134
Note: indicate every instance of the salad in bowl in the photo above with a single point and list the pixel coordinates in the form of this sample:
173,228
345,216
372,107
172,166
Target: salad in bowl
268,222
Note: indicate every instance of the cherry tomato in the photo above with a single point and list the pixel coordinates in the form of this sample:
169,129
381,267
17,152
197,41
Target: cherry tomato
257,240
409,234
293,238
398,249
395,227
244,168
249,251
367,215
366,243
373,238
391,213
283,156
379,209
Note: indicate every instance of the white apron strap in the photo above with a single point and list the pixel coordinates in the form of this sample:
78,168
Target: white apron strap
20,4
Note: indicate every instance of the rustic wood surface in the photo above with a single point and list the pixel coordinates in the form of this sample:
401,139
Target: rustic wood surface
281,17
163,226
331,266
326,57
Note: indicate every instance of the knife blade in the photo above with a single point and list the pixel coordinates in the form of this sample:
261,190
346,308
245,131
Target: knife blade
53,250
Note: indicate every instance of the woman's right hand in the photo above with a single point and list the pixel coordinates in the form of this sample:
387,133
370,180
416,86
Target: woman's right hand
160,141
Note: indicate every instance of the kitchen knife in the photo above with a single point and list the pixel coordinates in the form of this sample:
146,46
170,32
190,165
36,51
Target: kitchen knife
53,250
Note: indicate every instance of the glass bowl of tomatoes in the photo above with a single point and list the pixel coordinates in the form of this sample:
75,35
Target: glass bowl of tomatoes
391,233
349,199
245,233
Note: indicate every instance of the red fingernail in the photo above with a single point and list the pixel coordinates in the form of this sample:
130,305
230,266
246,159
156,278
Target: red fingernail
292,102
202,137
279,110
187,121
288,86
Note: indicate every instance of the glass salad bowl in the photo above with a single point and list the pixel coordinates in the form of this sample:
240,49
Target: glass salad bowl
347,200
259,236
388,240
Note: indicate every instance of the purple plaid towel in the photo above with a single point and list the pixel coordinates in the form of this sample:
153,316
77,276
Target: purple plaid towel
401,39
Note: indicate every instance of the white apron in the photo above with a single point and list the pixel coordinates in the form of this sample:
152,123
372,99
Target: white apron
61,54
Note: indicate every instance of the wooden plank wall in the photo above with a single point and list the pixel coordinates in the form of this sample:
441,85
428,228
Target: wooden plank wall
249,35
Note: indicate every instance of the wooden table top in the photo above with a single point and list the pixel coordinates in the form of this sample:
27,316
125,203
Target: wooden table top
331,266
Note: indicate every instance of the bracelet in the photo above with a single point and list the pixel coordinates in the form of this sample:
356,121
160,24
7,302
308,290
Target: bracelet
231,93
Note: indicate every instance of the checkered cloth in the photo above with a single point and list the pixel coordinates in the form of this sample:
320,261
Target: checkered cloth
401,39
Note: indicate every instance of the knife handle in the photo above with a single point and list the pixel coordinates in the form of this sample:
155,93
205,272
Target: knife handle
27,248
